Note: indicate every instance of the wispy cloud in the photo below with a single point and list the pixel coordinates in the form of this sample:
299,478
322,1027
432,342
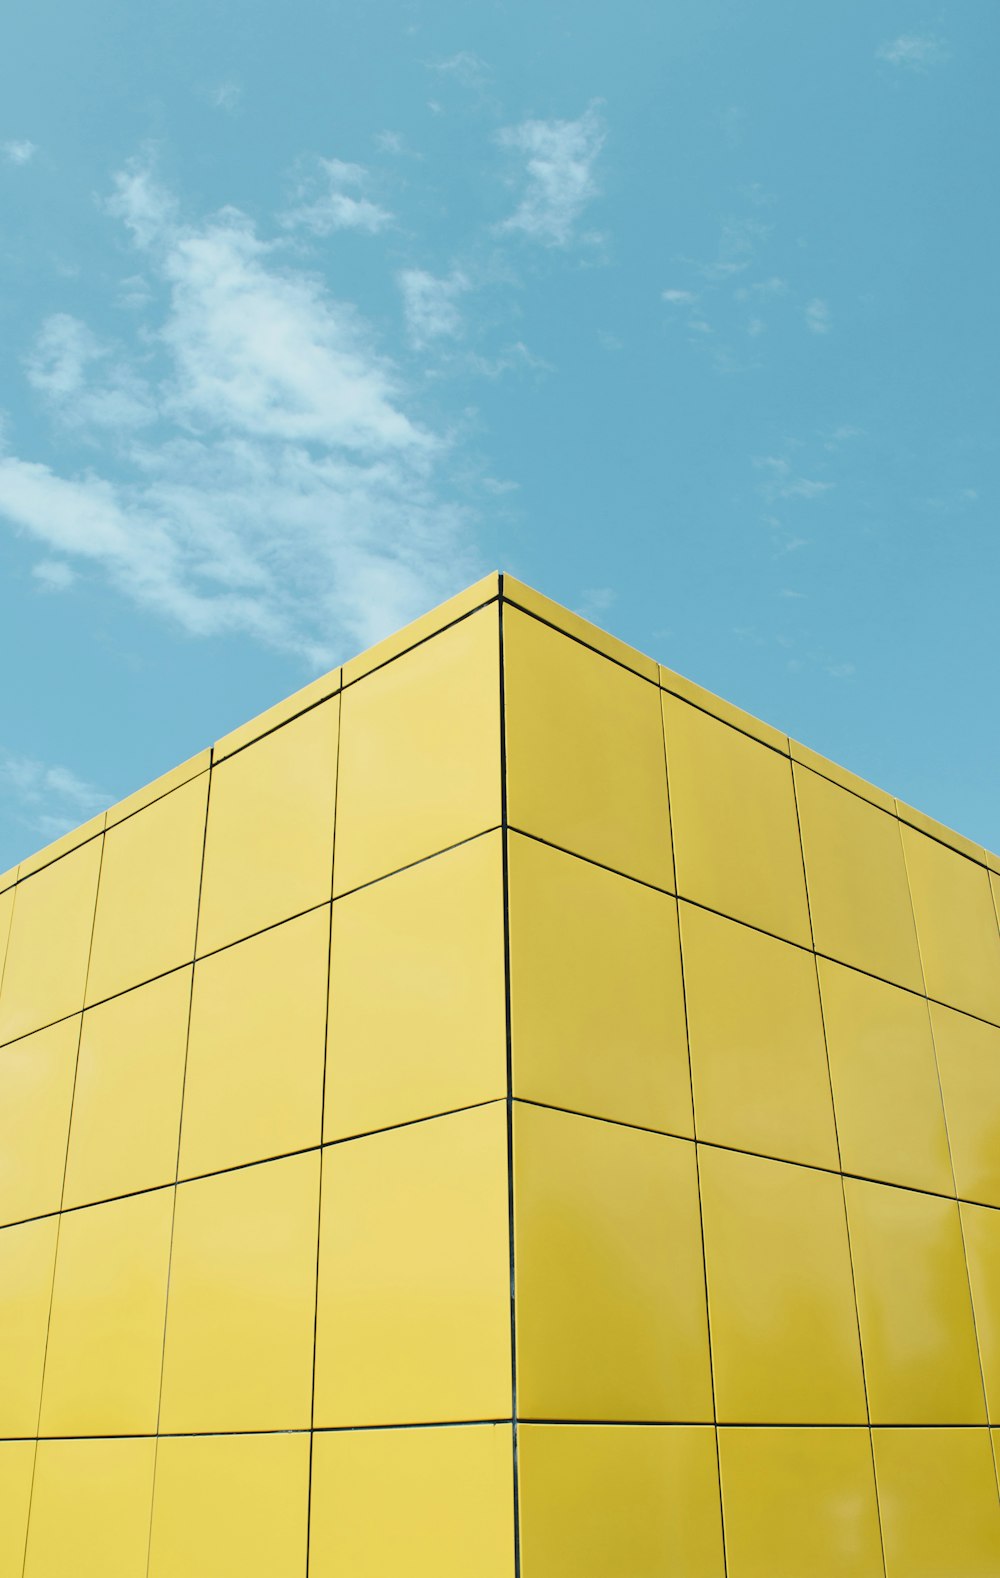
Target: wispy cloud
19,151
330,196
817,316
277,484
558,178
779,481
464,67
914,51
680,298
225,96
430,305
49,800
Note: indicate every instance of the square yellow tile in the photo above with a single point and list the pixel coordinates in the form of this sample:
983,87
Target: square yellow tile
27,1259
800,1503
46,971
956,926
269,847
6,915
241,1306
915,1309
968,1055
597,1002
420,753
858,893
147,901
585,763
90,1509
885,1081
424,1503
254,1082
230,1507
414,1282
598,1500
758,1057
127,1102
780,1295
610,1290
981,1231
17,1464
109,1302
36,1091
417,994
938,1499
736,834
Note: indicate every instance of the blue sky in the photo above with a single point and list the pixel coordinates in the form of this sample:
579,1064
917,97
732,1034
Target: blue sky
311,314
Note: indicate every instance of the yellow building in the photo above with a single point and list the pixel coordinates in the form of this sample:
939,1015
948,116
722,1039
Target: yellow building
503,1111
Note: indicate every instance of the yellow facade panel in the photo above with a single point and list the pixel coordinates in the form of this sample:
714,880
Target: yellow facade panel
427,1503
736,835
938,1503
241,1305
420,753
981,1232
152,867
17,1466
36,1092
27,1261
968,1055
90,1509
254,1082
417,1017
800,1503
269,845
45,973
758,1057
149,793
583,943
914,1307
283,712
127,1100
640,1500
956,926
584,741
580,629
858,893
610,1289
230,1506
890,1120
420,630
414,1286
781,1300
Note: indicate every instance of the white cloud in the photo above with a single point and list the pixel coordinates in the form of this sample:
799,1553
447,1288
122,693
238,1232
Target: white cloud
19,151
914,51
46,798
225,96
331,197
558,176
780,482
465,66
286,493
817,316
679,298
55,575
430,305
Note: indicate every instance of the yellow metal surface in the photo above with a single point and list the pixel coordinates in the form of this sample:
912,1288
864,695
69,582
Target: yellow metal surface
414,1311
780,1293
269,846
583,942
347,1128
917,1333
758,1057
417,993
238,1353
424,1503
46,968
151,866
109,1301
610,1292
598,1500
584,752
230,1507
90,1509
420,753
127,1100
800,1503
254,1082
886,1091
938,1502
858,894
736,837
